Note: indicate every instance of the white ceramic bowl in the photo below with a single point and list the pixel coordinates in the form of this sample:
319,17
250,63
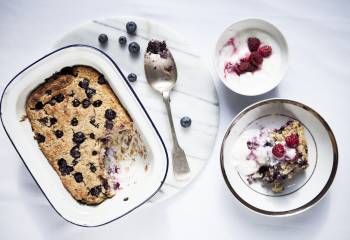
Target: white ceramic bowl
272,69
21,136
305,189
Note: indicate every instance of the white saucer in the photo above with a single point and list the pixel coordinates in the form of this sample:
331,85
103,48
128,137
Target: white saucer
273,67
301,192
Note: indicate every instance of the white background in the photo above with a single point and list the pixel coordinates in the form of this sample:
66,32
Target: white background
318,33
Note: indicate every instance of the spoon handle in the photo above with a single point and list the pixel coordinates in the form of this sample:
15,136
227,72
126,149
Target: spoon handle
180,165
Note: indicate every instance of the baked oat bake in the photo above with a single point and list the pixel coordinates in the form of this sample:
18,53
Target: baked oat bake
72,113
280,154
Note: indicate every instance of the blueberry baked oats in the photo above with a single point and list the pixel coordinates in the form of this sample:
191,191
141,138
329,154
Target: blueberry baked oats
276,155
76,117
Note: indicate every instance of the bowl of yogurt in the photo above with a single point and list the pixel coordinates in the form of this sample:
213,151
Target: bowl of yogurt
251,57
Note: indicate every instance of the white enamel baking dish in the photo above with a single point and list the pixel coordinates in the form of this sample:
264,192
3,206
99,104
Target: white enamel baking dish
20,133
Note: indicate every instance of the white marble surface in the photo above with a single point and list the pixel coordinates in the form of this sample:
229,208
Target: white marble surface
318,33
188,98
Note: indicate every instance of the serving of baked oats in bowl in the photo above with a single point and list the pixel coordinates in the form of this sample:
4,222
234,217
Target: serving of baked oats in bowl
278,157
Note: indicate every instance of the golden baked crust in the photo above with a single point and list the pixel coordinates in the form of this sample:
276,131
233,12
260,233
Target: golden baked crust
70,132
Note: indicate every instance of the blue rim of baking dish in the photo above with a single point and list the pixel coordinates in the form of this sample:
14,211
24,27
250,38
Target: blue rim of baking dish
138,100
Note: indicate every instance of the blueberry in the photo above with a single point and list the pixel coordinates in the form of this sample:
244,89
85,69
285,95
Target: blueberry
62,162
86,103
110,114
74,121
105,184
59,133
122,40
78,177
67,71
84,83
92,167
101,80
59,98
52,102
97,103
94,153
131,27
68,170
53,121
109,124
39,137
132,77
78,137
92,135
63,167
75,103
75,162
90,92
95,191
102,38
185,122
44,120
134,48
39,105
74,152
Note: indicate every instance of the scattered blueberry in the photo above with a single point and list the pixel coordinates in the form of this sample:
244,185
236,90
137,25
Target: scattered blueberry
86,103
75,161
52,102
78,177
53,121
39,105
90,92
109,124
78,137
97,103
92,135
132,77
92,167
44,120
110,114
62,162
185,122
94,153
105,184
122,40
84,83
131,27
75,103
101,80
95,191
39,137
74,152
58,133
74,121
59,98
102,38
134,48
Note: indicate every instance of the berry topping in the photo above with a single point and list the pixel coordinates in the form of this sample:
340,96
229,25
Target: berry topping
74,152
63,167
75,103
122,40
97,103
53,121
74,121
292,141
131,27
134,48
58,133
86,103
78,137
109,124
92,167
278,150
90,92
132,77
39,138
39,105
185,122
265,51
44,120
105,184
59,98
84,83
92,135
95,191
78,177
101,80
110,114
255,58
243,67
94,153
103,38
253,44
62,163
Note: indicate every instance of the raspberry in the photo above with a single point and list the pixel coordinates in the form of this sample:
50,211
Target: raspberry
292,141
265,51
243,66
278,150
253,44
255,58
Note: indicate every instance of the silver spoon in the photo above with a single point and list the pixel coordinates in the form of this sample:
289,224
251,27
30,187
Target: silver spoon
161,75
